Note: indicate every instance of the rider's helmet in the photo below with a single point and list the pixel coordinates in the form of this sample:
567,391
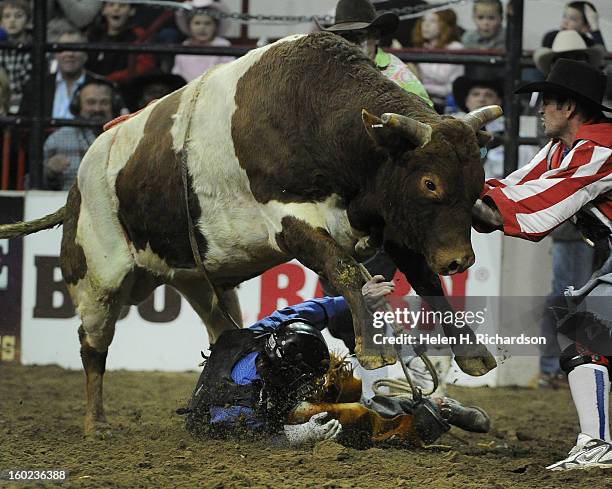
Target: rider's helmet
297,354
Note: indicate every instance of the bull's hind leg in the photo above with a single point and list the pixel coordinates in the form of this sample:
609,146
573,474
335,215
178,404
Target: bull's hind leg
97,274
203,300
95,335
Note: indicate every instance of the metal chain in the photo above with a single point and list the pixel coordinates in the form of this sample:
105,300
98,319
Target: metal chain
407,12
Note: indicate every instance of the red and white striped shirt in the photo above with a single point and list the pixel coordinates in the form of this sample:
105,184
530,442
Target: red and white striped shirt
551,188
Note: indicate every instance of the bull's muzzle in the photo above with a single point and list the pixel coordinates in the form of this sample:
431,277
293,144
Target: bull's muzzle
452,262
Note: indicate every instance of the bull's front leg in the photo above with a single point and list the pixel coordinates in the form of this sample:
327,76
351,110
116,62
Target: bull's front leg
473,358
317,250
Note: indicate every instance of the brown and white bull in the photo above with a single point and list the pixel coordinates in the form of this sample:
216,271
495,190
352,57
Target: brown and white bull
300,149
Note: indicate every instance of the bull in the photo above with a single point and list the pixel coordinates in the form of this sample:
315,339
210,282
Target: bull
300,149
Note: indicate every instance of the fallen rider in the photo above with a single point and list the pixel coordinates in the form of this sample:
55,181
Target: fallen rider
277,378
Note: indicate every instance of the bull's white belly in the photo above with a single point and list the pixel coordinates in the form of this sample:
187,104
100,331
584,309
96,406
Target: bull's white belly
242,240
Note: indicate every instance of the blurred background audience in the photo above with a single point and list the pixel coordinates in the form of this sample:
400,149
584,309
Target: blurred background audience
61,85
198,24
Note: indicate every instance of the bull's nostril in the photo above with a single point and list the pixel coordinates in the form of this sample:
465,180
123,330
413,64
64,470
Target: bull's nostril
453,266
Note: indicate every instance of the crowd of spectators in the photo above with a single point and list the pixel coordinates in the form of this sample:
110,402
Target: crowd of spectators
137,78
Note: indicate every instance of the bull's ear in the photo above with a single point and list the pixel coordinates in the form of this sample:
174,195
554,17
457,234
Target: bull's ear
376,129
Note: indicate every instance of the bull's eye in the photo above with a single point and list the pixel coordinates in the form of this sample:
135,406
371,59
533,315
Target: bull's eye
430,185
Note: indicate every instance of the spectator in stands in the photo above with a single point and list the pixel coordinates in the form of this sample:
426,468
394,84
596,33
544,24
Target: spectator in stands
115,25
581,17
201,29
76,12
142,90
438,30
489,33
63,151
14,18
572,258
481,88
61,86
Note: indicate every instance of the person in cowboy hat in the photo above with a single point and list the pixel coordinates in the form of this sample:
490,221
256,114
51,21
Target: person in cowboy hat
569,179
358,22
202,28
572,258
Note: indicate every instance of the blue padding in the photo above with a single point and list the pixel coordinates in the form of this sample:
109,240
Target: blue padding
599,383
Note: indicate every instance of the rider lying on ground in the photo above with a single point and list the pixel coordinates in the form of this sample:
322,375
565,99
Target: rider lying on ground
263,379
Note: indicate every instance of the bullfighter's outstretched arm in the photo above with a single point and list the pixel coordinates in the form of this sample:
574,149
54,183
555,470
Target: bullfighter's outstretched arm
473,359
317,250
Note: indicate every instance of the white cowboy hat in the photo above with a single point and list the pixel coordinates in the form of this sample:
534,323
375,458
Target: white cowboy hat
182,15
567,42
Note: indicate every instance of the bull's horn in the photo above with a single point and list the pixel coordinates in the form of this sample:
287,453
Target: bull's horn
480,117
417,132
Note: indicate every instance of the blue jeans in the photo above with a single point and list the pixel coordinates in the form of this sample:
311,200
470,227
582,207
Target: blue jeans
572,264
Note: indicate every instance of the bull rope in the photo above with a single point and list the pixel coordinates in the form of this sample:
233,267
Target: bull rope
195,250
402,388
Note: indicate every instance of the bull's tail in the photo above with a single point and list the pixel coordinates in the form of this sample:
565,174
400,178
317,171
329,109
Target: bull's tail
28,227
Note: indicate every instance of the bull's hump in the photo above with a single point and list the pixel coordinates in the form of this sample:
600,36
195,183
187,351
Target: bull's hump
266,129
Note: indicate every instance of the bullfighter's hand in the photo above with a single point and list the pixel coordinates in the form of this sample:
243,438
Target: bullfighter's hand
58,163
374,292
486,218
314,430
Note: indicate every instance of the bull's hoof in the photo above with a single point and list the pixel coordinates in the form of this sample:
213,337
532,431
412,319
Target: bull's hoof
476,366
372,362
97,428
474,358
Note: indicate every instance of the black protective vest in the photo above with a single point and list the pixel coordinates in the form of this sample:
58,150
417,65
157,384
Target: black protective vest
215,386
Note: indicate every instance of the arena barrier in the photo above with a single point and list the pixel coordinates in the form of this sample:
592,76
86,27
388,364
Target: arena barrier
39,325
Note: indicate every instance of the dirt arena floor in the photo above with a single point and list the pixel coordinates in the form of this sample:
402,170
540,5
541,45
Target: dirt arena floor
40,428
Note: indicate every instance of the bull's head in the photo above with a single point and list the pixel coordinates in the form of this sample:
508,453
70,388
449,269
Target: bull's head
428,185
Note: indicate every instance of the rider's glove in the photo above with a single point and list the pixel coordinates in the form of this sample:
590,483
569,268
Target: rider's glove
312,431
